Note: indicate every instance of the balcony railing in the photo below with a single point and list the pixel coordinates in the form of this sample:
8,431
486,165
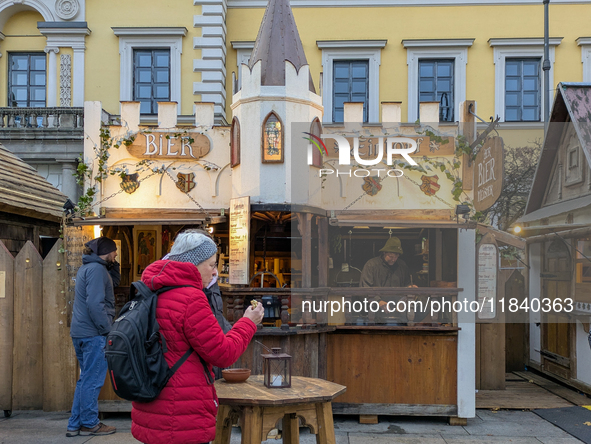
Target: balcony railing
41,118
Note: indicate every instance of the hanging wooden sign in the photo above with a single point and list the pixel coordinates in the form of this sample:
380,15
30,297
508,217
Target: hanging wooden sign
488,174
168,146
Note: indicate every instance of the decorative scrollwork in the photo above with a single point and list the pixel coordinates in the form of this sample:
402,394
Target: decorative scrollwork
67,9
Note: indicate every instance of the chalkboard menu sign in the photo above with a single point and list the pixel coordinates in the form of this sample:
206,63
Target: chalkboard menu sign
74,240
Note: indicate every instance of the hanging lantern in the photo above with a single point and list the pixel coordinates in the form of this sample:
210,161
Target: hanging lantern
277,369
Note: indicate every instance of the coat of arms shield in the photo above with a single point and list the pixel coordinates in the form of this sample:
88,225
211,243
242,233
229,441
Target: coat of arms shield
129,183
186,182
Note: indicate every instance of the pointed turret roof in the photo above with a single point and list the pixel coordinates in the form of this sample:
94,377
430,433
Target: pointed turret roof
278,41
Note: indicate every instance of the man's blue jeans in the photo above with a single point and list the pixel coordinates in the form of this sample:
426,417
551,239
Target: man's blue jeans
93,369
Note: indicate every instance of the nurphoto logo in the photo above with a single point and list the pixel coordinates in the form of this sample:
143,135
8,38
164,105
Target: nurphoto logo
394,146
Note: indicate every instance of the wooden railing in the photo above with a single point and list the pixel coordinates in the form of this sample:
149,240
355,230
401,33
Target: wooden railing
41,118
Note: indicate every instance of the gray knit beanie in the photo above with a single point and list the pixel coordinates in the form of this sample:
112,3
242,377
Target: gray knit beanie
192,247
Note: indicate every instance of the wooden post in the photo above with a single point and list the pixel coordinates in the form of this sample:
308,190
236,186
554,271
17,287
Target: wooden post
291,429
323,252
325,424
305,228
492,336
252,425
27,375
6,326
59,358
223,427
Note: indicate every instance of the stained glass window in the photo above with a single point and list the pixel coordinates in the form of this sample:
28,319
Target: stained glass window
272,139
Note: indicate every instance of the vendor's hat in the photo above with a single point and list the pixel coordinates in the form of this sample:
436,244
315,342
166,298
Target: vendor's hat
392,246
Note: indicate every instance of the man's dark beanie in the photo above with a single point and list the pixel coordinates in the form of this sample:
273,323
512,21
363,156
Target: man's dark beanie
101,245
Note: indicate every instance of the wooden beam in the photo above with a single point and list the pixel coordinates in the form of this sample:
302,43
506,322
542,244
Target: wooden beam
323,252
503,237
306,231
395,409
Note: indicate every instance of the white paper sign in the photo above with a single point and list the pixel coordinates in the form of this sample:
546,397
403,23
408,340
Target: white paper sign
239,240
487,280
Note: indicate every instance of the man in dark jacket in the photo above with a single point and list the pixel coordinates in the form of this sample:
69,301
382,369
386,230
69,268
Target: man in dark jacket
214,298
386,270
92,317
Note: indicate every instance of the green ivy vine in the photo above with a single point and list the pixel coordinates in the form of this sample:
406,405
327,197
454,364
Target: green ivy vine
84,172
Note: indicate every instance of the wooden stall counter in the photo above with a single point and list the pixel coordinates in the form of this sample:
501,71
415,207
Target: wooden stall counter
394,370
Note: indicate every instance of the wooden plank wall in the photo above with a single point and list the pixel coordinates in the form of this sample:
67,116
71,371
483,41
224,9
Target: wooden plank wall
59,358
27,371
411,369
6,326
515,329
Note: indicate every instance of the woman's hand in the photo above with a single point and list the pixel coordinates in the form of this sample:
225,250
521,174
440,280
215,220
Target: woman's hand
255,315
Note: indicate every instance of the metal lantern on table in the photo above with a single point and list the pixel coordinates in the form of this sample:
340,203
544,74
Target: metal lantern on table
277,369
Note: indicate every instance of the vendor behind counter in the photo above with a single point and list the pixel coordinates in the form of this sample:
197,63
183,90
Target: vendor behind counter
387,269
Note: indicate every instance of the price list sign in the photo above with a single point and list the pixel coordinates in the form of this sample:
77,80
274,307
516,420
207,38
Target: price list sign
239,240
487,280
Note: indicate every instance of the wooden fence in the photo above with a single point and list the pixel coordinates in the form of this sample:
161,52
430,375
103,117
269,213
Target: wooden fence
38,366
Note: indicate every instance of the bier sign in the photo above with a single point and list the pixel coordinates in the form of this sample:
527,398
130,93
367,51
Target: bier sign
169,146
488,174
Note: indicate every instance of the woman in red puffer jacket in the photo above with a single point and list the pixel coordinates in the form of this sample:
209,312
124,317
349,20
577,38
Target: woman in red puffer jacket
185,411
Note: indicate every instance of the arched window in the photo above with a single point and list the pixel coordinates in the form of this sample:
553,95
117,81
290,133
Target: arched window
272,145
235,143
316,130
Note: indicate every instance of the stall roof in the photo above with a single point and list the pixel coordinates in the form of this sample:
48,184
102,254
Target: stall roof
24,192
572,103
559,208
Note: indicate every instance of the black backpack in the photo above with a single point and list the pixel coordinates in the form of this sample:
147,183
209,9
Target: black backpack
135,348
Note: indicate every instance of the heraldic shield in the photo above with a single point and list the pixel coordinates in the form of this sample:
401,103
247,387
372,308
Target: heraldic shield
129,183
430,186
371,185
186,182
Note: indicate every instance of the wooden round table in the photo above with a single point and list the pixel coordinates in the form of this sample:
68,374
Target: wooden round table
260,408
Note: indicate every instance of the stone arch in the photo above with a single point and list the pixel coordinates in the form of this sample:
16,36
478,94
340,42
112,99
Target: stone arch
11,7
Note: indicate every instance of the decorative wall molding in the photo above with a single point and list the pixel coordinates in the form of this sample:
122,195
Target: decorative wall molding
67,9
396,3
65,80
212,63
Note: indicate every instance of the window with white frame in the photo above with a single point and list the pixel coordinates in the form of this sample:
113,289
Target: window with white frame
585,44
436,84
243,53
522,90
151,78
437,72
362,52
138,40
514,99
